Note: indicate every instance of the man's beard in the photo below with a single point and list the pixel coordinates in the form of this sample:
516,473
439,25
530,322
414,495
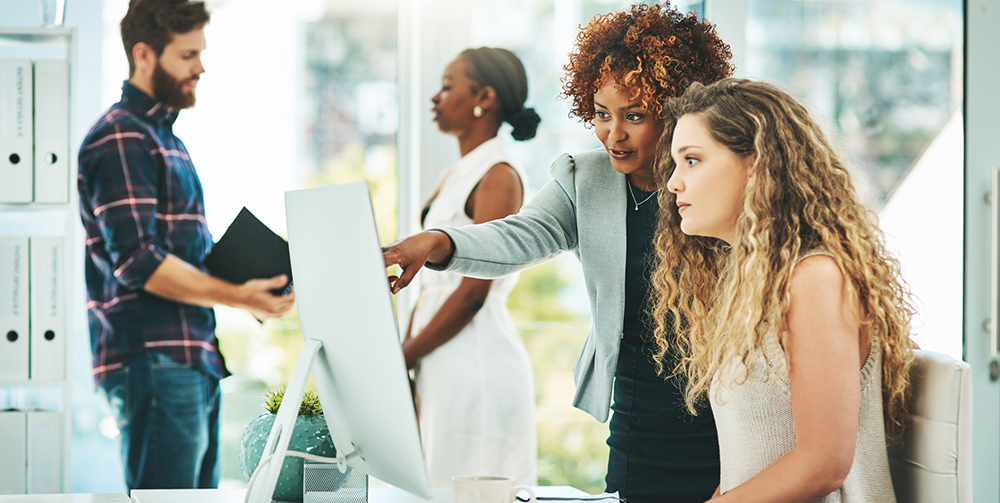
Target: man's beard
168,90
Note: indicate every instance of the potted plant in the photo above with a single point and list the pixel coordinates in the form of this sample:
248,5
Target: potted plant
310,435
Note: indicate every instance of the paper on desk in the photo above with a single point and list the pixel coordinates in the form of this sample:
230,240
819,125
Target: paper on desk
565,494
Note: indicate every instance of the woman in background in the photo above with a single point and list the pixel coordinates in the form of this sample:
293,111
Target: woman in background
797,319
473,375
602,207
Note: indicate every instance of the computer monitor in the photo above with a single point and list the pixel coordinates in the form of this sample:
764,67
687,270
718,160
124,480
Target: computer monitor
348,323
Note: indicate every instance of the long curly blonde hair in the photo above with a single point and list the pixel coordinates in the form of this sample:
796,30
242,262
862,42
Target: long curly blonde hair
723,302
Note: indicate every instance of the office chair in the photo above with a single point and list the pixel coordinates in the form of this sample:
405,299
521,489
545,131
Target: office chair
934,463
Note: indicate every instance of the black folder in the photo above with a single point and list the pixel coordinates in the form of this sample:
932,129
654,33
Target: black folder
250,250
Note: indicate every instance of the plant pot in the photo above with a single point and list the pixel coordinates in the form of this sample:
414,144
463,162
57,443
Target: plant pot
310,435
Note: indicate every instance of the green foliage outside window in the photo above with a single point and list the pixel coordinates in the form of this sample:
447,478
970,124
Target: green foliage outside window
572,448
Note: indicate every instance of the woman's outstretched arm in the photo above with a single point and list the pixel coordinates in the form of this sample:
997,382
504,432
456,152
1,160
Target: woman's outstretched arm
543,229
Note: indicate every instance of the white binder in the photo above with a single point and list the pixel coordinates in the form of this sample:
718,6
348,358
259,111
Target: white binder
51,131
14,308
48,329
13,446
16,131
44,453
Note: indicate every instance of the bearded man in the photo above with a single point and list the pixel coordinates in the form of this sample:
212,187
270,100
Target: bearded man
152,328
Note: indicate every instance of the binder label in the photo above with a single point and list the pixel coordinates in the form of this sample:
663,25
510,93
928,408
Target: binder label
11,259
53,297
15,120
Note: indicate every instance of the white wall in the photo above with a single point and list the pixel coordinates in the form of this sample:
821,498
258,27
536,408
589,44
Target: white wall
982,156
431,34
920,222
729,17
243,133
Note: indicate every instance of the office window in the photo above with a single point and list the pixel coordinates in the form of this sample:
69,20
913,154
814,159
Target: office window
886,74
886,77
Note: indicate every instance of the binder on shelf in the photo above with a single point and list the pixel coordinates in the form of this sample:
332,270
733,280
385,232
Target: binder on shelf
16,131
44,453
13,445
51,131
48,328
14,307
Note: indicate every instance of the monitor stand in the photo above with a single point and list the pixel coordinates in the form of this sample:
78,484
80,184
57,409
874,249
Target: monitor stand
262,484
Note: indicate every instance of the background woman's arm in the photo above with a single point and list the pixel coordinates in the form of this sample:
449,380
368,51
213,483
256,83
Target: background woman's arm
823,350
497,195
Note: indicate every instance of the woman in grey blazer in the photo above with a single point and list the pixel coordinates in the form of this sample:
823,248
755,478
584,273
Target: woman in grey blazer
602,207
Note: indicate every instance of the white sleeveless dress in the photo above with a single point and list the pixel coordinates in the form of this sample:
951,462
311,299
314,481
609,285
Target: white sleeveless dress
754,420
477,398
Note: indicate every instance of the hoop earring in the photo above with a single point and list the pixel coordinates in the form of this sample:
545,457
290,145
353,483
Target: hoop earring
477,112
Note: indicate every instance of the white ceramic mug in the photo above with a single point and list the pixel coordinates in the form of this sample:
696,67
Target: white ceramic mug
485,489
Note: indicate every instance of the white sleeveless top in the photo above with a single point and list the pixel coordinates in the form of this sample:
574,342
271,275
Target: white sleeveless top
477,395
754,421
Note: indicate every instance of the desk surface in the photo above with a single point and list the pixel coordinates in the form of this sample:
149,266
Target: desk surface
376,495
66,498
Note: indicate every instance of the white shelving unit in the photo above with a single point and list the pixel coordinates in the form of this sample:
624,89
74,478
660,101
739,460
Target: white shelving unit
48,219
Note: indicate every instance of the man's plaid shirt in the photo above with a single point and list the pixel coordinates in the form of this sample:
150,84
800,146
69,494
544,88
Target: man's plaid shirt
140,200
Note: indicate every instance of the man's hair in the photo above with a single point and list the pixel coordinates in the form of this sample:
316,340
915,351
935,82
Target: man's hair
154,22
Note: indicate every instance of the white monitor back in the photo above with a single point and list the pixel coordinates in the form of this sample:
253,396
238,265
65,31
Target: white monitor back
344,301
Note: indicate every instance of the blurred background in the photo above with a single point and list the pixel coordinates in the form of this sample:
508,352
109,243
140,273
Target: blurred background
313,92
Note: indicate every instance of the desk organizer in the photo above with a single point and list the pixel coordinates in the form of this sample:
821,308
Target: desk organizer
323,483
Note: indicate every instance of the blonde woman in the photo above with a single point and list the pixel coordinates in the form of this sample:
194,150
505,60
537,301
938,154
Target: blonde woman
791,316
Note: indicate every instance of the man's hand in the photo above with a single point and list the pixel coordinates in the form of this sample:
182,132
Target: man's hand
255,296
181,282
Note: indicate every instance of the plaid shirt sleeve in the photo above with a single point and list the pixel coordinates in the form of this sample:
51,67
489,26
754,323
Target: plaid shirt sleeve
119,180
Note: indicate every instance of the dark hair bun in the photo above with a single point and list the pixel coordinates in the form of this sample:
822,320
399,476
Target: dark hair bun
525,124
503,71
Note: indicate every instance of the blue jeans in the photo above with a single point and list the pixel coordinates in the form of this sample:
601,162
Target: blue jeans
168,415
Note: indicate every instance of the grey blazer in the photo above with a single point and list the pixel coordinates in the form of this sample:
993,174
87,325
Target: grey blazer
583,211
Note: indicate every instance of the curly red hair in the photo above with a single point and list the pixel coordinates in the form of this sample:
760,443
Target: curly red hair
652,51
